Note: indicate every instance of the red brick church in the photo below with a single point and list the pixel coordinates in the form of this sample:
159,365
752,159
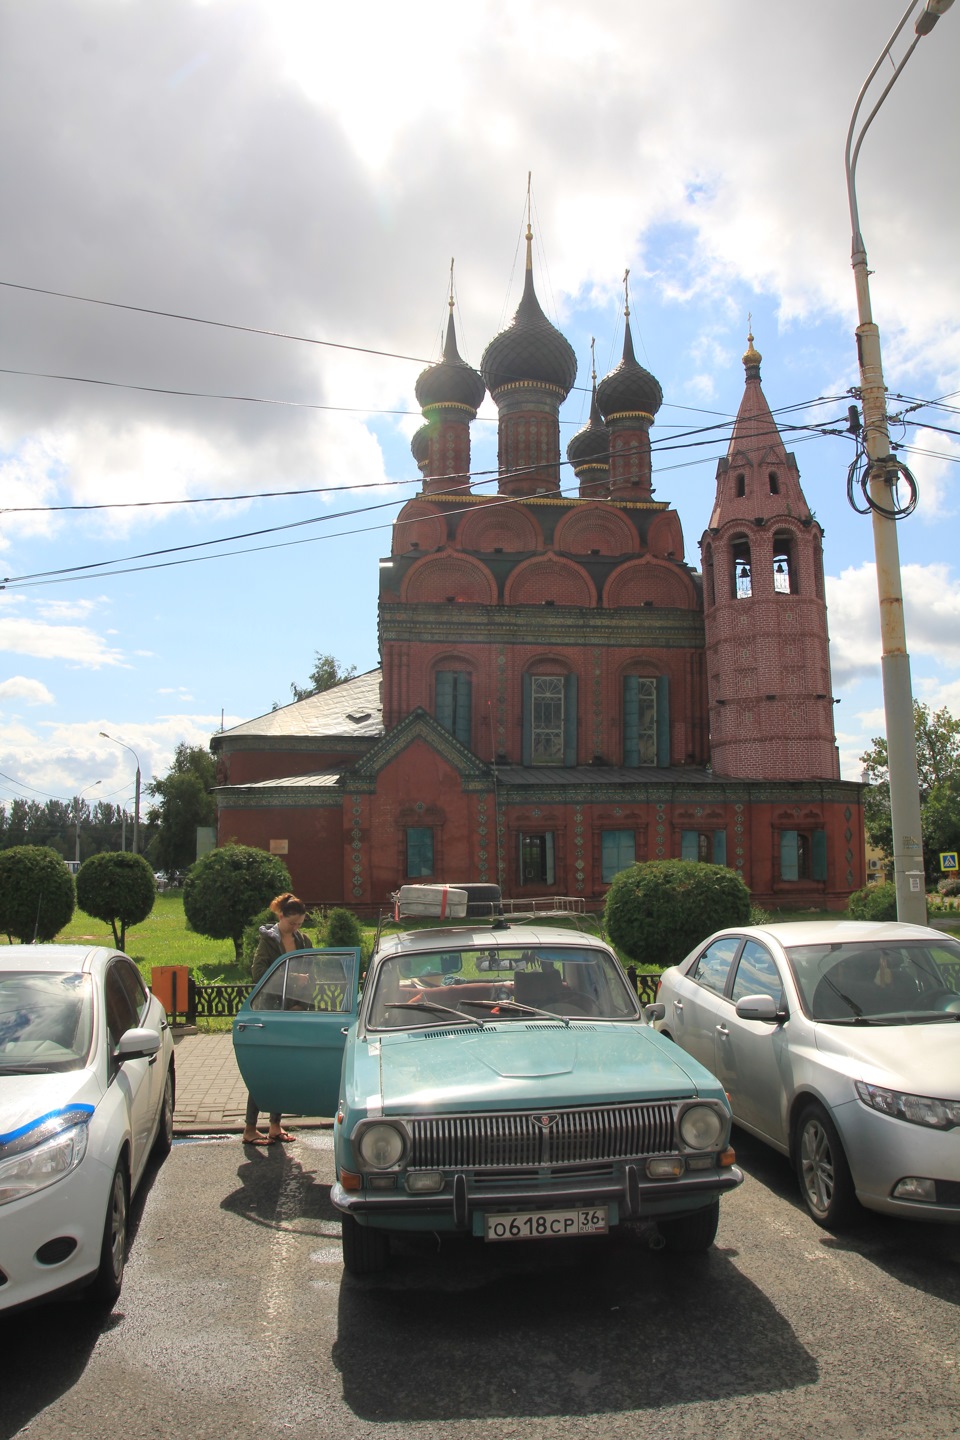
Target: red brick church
560,693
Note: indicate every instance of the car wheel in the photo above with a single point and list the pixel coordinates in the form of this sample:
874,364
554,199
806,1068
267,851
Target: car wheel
825,1180
113,1248
688,1234
366,1251
164,1141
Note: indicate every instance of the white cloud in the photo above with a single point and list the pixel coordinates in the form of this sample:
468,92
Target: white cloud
19,687
931,596
75,644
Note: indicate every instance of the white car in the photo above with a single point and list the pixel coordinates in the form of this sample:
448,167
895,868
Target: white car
838,1044
87,1091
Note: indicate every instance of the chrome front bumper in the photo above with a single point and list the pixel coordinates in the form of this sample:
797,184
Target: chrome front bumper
634,1197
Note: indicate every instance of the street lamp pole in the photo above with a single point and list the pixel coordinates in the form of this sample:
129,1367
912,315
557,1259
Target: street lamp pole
76,817
136,802
883,475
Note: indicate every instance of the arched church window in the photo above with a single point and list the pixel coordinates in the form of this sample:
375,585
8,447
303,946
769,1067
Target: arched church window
453,702
549,719
741,579
741,486
646,720
785,580
774,483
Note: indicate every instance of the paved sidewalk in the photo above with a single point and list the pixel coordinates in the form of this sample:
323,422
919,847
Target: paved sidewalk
211,1097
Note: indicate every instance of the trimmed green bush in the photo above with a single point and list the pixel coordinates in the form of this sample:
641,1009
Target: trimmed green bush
342,928
874,902
226,888
658,911
118,888
949,887
37,894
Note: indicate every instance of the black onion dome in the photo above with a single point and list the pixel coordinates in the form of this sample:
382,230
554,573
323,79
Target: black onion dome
629,387
530,349
420,446
452,381
591,445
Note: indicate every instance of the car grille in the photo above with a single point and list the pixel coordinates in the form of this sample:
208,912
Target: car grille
566,1137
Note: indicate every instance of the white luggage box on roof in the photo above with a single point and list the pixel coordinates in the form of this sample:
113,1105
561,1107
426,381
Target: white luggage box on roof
438,902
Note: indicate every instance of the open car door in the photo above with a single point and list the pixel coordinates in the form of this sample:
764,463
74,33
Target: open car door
289,1034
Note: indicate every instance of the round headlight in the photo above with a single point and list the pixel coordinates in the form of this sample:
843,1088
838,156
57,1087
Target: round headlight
701,1127
380,1146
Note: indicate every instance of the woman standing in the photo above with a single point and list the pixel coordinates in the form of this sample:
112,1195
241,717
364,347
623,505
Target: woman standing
275,940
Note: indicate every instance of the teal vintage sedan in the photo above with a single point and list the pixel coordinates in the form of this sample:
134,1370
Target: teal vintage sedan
498,1081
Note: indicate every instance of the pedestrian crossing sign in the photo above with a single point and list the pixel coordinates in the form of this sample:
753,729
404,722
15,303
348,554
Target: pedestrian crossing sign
948,860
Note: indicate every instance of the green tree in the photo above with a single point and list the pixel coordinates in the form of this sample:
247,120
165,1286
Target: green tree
119,889
325,674
37,895
875,902
656,912
225,889
938,771
342,928
184,802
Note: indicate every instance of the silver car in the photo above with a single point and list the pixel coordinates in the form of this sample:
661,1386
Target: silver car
839,1045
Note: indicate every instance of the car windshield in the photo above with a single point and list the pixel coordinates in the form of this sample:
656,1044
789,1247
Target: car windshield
876,981
46,1021
480,984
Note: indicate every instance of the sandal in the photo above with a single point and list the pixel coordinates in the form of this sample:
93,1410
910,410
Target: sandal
283,1137
256,1139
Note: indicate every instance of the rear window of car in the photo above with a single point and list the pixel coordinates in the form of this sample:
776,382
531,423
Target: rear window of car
713,967
46,1021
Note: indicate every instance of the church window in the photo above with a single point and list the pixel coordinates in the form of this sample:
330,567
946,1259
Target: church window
419,852
774,483
618,850
803,855
784,565
741,486
708,576
741,587
549,719
537,864
452,699
709,847
646,720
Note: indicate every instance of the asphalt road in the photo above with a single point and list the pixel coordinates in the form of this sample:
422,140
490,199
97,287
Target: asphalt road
236,1320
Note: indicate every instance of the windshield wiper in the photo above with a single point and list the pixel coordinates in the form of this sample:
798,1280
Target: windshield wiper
515,1005
434,1009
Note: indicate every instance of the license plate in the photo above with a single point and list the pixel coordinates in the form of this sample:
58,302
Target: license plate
545,1224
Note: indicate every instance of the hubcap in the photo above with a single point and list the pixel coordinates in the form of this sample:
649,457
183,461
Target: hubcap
816,1162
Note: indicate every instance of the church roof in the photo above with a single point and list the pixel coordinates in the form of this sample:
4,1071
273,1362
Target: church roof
531,349
452,381
351,708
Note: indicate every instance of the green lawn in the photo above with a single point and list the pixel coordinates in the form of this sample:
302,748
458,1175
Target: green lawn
161,939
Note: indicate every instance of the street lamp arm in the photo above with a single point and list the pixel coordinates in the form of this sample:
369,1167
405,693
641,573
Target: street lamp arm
851,159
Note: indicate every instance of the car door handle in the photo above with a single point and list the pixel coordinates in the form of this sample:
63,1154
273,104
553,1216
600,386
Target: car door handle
678,1004
722,1030
250,1025
344,1029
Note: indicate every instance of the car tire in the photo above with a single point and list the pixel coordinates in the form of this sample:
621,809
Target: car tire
108,1280
163,1144
366,1251
691,1234
825,1180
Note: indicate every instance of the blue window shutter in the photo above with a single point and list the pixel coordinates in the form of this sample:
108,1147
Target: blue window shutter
663,720
463,711
570,720
527,753
819,858
789,859
690,845
444,698
618,851
549,866
631,720
719,847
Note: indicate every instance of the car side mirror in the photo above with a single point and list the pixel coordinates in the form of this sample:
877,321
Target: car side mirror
759,1007
653,1013
137,1044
